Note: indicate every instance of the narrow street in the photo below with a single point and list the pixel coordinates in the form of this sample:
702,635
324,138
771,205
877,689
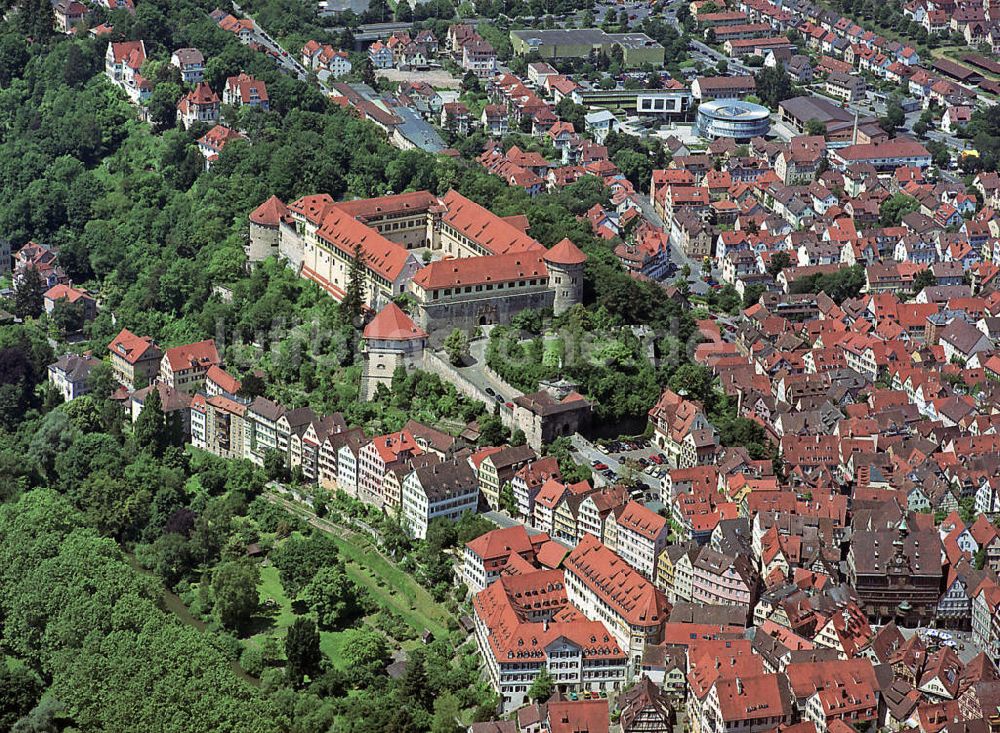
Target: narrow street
286,60
677,255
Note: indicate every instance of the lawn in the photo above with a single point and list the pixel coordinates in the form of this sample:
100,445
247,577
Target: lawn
552,352
388,585
331,642
391,586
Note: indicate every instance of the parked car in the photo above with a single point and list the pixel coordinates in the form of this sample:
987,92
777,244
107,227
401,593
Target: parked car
601,466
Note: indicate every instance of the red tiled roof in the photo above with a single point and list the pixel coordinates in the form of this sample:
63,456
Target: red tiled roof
187,356
500,543
617,583
485,228
270,213
130,347
218,137
565,253
392,324
65,292
226,381
482,270
247,85
641,520
346,233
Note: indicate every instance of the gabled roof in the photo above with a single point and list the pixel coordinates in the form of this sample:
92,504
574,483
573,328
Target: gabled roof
618,585
201,354
132,348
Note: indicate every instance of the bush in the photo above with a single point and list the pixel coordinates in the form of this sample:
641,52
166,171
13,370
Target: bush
252,660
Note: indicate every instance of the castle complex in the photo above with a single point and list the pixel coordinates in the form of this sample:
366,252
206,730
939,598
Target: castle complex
483,268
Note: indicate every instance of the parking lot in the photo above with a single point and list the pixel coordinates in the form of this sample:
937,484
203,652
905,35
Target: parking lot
608,464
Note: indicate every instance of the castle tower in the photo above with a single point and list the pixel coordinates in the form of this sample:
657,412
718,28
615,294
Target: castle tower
565,265
391,340
265,222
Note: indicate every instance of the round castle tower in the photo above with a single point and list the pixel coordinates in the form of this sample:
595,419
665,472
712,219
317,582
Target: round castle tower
265,222
565,265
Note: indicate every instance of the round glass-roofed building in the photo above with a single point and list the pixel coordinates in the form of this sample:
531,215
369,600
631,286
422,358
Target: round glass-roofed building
732,118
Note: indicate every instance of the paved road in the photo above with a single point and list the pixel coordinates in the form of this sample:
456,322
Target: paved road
589,453
477,374
286,60
677,255
706,50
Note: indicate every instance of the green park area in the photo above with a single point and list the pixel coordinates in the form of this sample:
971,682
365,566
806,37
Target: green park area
390,591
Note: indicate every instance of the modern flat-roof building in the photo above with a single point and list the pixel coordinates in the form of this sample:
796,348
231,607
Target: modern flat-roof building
580,43
732,118
666,102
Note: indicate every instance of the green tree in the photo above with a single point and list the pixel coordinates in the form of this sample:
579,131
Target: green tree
34,19
447,710
752,294
774,85
541,687
366,649
302,650
470,83
570,111
414,685
354,296
68,317
275,467
20,690
456,345
28,292
894,117
334,597
695,382
298,559
234,591
894,208
815,127
162,105
150,431
778,262
507,501
491,431
924,278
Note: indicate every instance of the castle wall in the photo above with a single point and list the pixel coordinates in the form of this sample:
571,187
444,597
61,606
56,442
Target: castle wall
469,312
264,242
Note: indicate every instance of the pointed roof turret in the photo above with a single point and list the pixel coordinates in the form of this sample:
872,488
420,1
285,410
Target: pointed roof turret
270,213
392,324
565,253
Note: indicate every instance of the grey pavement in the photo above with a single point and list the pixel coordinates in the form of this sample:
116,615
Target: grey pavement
677,255
477,374
589,453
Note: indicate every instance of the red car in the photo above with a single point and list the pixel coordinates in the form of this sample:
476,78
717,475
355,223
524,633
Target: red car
601,467
656,459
